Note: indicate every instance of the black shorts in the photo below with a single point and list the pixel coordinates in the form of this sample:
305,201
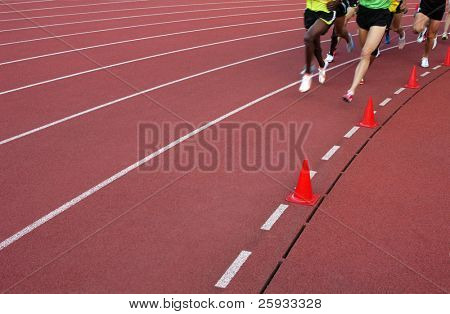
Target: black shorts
312,16
341,9
434,9
353,3
366,18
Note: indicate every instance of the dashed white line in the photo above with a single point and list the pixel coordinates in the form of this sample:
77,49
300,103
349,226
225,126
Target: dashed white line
436,67
312,173
233,269
425,74
399,91
331,152
15,237
352,131
274,217
385,102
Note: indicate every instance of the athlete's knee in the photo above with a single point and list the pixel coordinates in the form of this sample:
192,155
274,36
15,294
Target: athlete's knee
431,36
308,38
366,53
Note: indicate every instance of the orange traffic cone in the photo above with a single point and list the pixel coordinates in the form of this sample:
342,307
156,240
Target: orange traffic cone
369,117
412,82
447,58
303,192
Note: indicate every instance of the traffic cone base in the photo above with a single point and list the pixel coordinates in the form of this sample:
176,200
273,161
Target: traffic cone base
293,198
412,82
416,86
368,125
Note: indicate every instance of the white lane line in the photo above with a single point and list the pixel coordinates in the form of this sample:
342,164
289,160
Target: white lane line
151,57
385,102
312,173
138,16
274,217
156,56
25,2
232,270
425,74
331,152
143,25
134,166
120,10
352,131
144,38
133,1
436,67
399,91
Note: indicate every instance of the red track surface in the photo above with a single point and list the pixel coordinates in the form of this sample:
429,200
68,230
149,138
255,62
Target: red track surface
178,232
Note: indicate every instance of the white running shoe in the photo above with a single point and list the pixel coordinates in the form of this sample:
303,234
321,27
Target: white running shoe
329,58
434,43
323,73
421,36
402,41
424,63
306,83
444,36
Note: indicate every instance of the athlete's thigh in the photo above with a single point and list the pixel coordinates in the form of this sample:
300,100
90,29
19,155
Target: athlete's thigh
433,27
362,35
374,37
420,21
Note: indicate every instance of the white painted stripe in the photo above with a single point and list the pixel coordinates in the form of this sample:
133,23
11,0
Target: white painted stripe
124,10
436,67
137,16
424,74
153,56
312,173
14,3
352,131
274,217
385,102
160,55
134,166
142,25
133,1
399,91
145,38
233,269
331,152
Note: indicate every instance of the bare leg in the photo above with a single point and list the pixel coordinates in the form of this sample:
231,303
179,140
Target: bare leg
420,22
432,33
370,40
312,43
447,22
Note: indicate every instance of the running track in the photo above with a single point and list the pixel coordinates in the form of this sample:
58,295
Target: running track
79,215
